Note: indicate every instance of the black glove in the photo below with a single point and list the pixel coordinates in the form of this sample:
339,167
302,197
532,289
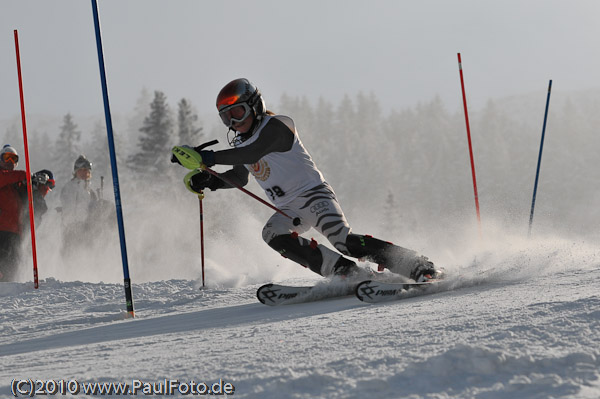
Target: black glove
203,180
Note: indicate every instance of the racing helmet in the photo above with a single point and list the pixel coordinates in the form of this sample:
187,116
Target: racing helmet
238,100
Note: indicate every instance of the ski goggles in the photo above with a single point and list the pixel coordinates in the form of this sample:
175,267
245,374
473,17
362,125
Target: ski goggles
235,113
10,157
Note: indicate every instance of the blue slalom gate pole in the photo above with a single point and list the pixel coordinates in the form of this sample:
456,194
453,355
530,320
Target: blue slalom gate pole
113,162
537,173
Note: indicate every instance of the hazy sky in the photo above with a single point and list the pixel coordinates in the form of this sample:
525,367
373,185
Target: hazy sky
402,51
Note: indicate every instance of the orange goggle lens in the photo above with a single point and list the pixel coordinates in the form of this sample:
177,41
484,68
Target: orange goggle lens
10,157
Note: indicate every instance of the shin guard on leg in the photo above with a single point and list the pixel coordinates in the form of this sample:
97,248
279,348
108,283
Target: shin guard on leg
291,247
311,254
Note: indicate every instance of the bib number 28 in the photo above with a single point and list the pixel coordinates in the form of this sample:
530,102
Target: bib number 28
275,191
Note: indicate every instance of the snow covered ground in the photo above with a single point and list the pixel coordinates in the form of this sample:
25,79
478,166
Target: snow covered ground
526,325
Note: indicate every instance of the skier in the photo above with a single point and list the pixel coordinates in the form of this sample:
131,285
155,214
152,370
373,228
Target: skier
77,200
268,146
13,209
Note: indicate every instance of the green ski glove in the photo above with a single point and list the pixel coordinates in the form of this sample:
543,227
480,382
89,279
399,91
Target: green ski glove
188,157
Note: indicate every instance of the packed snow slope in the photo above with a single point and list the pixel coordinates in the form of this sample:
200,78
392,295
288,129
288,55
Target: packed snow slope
523,322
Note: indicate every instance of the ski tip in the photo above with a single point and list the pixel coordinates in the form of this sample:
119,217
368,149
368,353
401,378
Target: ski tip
359,289
258,292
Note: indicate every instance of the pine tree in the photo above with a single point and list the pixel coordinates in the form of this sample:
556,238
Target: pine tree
391,215
343,156
324,141
189,133
13,136
135,121
40,154
66,147
154,149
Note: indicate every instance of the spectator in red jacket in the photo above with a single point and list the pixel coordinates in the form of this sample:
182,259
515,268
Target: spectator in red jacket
13,209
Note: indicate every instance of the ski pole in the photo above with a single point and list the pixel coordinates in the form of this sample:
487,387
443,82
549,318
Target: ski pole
182,154
200,198
101,187
295,221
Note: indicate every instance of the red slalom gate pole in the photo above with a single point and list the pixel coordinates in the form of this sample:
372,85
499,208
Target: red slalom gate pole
462,83
27,168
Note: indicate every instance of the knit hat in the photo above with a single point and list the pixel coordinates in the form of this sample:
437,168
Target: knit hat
82,163
8,149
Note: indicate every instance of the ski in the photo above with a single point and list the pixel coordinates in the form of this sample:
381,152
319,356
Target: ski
371,291
277,294
381,287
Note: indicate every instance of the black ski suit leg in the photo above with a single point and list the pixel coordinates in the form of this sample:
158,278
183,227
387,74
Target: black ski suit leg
10,255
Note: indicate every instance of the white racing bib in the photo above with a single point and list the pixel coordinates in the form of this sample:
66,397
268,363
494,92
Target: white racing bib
284,175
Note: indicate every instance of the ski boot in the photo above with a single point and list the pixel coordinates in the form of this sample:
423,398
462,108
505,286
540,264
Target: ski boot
347,269
396,259
387,255
425,271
